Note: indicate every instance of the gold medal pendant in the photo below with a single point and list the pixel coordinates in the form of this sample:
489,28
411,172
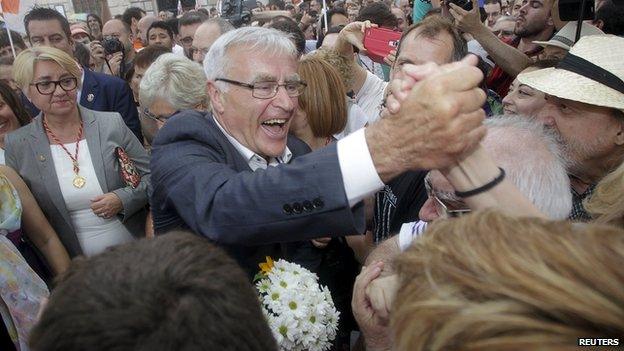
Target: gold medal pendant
79,181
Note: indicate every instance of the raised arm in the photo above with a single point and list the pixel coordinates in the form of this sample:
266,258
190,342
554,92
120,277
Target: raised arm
510,59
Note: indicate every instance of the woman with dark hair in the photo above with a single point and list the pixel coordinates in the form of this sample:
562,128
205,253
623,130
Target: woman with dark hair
13,115
95,26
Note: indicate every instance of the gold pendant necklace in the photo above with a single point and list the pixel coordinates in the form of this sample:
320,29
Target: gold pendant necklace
79,181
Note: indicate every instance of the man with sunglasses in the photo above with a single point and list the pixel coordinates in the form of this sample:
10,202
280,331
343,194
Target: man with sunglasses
235,175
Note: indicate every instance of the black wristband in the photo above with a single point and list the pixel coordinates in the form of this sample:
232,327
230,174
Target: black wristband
483,188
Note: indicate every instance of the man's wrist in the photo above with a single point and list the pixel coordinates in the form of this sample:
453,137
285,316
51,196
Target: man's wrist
384,155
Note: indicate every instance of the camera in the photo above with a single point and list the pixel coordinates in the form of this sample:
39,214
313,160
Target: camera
112,45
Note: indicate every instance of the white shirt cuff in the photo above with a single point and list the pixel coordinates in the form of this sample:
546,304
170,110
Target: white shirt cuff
409,232
359,175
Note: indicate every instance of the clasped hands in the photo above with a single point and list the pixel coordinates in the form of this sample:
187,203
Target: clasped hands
433,119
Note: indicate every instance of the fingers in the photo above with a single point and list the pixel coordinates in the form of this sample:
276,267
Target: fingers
470,100
367,275
461,78
475,5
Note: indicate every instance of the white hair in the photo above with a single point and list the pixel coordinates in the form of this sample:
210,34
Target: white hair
532,160
177,80
258,41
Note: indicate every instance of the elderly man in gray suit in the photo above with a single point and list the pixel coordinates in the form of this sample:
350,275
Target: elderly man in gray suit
236,177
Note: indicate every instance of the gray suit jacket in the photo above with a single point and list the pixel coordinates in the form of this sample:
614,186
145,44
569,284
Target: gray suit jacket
28,152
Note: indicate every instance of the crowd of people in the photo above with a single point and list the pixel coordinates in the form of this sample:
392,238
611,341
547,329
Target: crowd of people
460,191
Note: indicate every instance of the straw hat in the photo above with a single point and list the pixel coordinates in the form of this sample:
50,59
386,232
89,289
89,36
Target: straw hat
605,52
564,38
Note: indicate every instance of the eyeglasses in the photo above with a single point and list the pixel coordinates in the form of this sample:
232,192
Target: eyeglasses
450,207
48,87
267,90
162,119
187,40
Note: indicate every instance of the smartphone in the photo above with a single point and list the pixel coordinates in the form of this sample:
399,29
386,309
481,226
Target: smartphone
379,42
569,10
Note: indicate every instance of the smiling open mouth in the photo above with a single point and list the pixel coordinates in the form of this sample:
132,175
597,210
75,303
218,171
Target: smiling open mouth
275,122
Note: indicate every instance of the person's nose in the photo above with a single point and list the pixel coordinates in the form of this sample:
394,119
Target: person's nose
428,211
283,100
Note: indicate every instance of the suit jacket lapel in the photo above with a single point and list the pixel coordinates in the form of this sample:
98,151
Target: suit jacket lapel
92,134
231,153
41,146
89,90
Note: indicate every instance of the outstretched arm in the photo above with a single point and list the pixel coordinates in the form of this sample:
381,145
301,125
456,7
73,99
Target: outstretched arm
510,59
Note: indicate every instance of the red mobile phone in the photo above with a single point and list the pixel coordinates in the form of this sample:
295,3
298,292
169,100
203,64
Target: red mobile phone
379,42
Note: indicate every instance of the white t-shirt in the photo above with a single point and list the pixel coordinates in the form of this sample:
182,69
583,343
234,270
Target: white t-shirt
371,95
356,119
409,232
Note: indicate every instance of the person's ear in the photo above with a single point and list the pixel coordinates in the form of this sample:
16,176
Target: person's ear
216,97
619,136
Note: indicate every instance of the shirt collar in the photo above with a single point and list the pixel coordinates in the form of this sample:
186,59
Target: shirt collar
255,161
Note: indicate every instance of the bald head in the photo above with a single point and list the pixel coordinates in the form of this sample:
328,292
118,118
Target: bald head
207,33
143,26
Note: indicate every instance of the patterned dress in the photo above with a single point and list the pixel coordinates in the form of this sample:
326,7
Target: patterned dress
21,289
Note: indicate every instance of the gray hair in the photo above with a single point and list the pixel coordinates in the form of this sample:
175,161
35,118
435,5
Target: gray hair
260,41
533,161
177,80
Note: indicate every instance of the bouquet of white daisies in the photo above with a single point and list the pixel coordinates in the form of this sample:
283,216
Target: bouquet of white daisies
301,313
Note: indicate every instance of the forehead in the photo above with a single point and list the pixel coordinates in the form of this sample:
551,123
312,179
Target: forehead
51,69
420,49
206,35
45,28
504,25
113,26
262,66
492,7
188,29
156,31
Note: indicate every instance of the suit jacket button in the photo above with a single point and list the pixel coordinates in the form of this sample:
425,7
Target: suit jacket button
307,206
297,208
287,209
318,203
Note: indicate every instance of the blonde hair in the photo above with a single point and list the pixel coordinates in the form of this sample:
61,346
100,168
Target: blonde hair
492,282
606,205
325,98
339,62
24,66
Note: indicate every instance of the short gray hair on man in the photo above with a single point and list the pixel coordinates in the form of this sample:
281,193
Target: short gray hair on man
266,42
177,80
532,160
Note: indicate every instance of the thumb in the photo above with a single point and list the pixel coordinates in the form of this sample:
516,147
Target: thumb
475,5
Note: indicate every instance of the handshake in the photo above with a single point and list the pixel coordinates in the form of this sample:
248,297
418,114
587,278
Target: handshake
433,118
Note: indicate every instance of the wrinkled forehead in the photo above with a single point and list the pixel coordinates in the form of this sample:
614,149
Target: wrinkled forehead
261,64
